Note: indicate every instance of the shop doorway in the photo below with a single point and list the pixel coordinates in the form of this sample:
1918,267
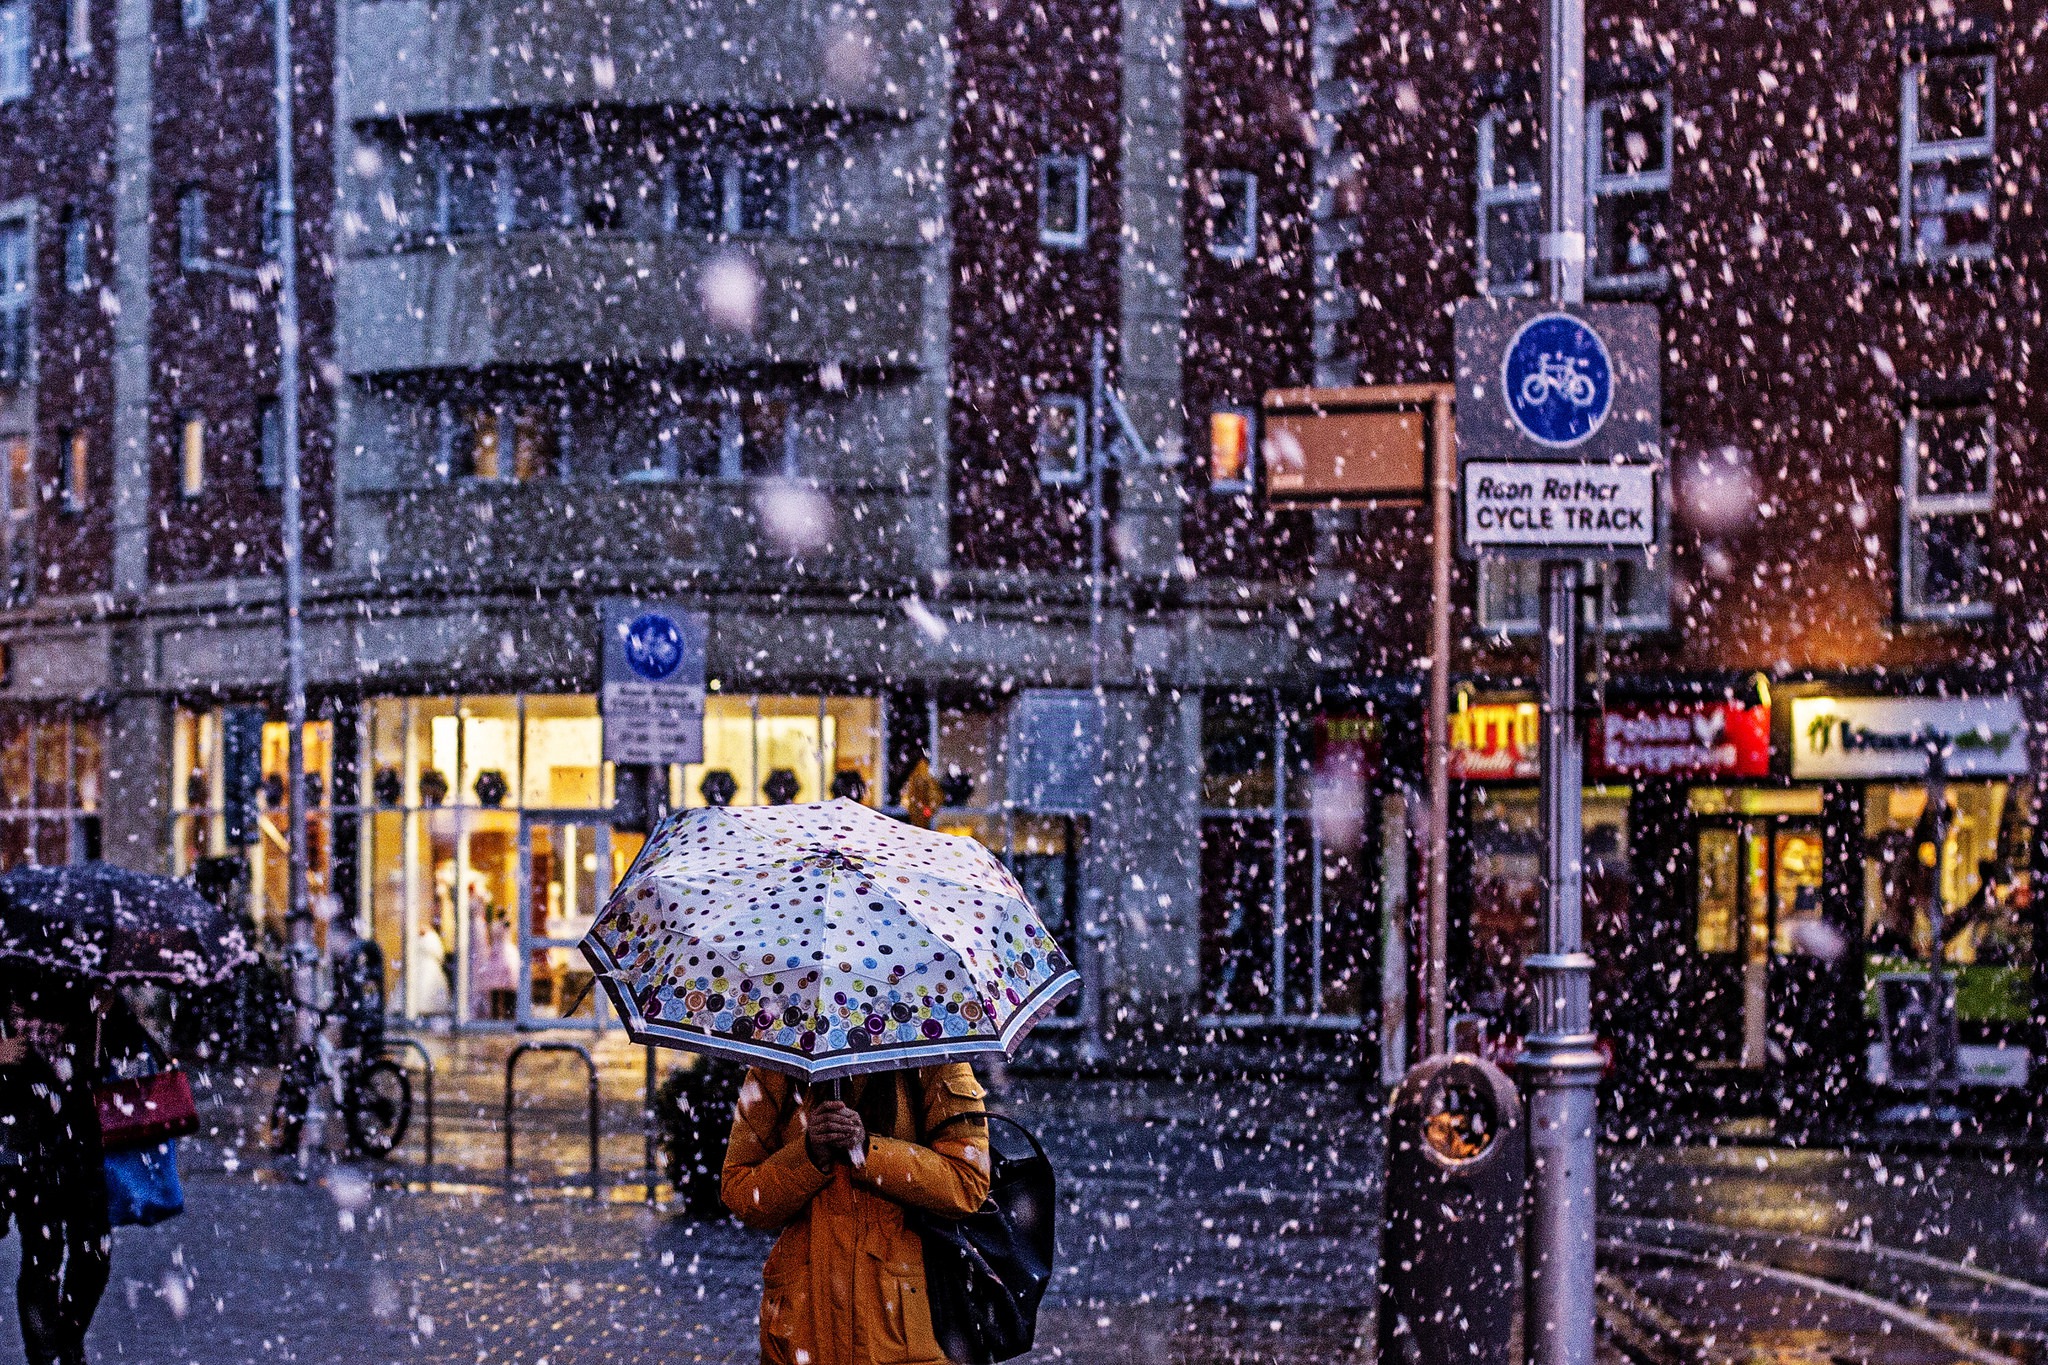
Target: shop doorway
1759,904
567,870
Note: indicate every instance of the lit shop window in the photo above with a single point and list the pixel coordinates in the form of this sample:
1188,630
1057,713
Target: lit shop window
192,456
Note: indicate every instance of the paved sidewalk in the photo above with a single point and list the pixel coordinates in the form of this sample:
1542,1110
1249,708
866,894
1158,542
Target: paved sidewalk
1196,1229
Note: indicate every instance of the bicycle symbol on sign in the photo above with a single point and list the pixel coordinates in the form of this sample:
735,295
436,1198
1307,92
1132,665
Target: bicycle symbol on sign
1558,373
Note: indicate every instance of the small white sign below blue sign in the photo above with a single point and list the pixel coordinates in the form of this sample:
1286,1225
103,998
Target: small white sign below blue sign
1558,380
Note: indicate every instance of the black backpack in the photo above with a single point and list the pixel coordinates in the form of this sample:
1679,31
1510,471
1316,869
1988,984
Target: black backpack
985,1273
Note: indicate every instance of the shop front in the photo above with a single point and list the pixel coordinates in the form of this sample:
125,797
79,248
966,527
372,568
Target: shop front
1306,866
473,836
1786,869
50,761
1950,882
1497,861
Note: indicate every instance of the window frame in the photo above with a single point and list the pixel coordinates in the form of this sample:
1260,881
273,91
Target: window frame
1250,480
191,455
269,444
77,470
77,250
1915,154
1247,247
193,228
1916,508
77,29
1052,237
1488,196
1600,184
1053,476
18,300
17,51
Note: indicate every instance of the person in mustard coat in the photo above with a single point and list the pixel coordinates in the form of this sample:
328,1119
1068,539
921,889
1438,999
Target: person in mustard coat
845,1283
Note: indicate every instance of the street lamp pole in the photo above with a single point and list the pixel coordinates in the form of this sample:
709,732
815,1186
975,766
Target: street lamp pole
1094,933
1561,1059
298,910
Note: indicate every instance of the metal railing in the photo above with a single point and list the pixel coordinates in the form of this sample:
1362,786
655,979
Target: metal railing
590,1067
427,1127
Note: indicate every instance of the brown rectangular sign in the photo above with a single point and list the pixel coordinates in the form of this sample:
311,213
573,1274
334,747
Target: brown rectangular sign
1347,447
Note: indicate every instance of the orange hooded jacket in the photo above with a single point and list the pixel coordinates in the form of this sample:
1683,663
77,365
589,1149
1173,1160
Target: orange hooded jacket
845,1283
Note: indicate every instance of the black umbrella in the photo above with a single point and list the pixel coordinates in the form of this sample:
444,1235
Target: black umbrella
124,926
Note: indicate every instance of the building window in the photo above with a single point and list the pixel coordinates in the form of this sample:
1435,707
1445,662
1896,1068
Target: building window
758,194
1510,203
20,487
78,30
77,471
14,50
1231,432
77,251
1948,127
269,444
192,455
192,228
1063,201
1948,481
470,201
16,301
1234,216
1060,440
267,207
193,14
1628,188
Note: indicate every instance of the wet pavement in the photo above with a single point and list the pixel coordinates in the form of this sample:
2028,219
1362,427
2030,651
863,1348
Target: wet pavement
1200,1225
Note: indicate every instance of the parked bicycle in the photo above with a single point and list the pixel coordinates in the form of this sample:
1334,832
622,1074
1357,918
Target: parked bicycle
369,1090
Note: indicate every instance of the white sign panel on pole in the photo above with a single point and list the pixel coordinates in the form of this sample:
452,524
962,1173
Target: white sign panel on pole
652,696
1548,503
1888,737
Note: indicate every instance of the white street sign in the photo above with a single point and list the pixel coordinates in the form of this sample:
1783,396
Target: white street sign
1538,503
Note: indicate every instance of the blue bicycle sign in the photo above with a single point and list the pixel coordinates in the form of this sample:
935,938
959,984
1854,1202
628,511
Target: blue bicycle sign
654,646
1558,380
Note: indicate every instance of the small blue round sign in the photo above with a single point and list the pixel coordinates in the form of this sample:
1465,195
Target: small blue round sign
654,646
1558,380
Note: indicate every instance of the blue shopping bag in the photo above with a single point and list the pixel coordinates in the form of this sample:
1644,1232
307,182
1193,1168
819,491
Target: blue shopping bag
142,1186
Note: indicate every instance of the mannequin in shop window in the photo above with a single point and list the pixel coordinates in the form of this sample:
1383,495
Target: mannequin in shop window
781,787
848,785
718,788
494,991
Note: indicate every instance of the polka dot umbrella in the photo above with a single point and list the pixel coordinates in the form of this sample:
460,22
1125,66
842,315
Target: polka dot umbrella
823,941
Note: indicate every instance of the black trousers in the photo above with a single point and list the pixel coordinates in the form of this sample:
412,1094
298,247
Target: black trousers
65,1241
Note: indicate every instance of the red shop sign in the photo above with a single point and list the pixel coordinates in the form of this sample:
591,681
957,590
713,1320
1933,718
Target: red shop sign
1680,739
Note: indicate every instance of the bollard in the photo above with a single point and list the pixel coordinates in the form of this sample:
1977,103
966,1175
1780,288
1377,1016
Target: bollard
1450,1263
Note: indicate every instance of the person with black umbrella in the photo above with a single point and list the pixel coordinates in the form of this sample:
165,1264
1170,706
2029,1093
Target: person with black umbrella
52,1170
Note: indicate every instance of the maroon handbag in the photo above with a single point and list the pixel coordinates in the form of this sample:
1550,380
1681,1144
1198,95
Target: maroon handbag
146,1110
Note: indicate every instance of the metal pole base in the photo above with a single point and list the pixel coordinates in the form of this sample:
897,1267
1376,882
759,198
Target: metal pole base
1563,1075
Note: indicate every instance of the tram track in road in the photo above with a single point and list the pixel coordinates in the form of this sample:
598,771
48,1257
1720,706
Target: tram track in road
1673,1291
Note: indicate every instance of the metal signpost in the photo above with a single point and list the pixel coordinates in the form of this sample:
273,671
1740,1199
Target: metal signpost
1559,442
1389,445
